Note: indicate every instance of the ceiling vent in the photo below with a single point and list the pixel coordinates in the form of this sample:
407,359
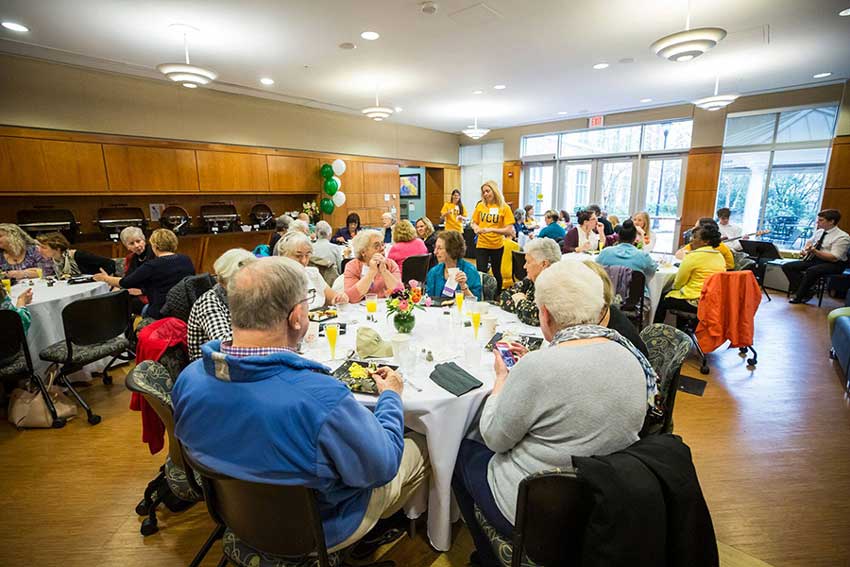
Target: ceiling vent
429,8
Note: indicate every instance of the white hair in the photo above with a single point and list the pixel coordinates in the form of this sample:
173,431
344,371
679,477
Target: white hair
571,293
362,239
519,215
388,214
299,226
131,233
543,249
323,230
290,243
262,294
229,263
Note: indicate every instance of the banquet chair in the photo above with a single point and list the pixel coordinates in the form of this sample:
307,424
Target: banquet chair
15,360
668,347
343,264
488,287
154,382
518,265
267,525
687,322
95,327
633,305
415,268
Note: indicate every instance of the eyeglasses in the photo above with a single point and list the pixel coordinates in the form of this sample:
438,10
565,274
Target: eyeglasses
311,295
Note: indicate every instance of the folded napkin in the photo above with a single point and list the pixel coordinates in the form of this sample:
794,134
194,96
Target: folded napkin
369,343
454,379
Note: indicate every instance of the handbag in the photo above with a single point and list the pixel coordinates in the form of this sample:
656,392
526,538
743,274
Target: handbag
28,409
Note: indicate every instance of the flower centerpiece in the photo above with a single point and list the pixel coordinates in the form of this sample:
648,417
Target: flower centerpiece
401,305
312,210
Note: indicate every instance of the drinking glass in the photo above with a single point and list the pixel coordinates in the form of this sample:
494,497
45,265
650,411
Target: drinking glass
476,322
459,300
7,283
332,332
39,273
371,303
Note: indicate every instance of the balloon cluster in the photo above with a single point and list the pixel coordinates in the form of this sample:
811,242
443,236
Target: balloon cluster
332,185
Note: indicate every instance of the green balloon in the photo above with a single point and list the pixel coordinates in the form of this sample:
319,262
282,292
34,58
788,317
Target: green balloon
327,206
327,171
331,186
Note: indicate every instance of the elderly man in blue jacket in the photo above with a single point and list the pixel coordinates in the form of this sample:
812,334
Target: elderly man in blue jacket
254,409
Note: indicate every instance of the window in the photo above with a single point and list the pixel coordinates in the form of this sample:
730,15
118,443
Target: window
778,184
596,142
479,163
540,145
667,136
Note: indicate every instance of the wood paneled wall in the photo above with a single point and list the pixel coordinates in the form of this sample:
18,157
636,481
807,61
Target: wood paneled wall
836,194
700,185
511,171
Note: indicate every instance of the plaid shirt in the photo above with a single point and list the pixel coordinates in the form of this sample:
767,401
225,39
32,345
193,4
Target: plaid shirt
239,352
209,320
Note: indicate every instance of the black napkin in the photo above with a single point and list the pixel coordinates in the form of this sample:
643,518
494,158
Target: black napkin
454,379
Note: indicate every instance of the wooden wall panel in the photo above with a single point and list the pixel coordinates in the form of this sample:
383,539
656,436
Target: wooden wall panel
435,179
22,165
838,176
511,171
74,166
379,179
231,171
135,168
294,174
700,185
352,186
218,244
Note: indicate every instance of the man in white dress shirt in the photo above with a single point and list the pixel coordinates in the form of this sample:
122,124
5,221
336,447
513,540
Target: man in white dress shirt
729,230
824,253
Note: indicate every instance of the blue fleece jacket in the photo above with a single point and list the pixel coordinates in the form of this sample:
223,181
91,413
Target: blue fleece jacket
282,419
553,231
629,256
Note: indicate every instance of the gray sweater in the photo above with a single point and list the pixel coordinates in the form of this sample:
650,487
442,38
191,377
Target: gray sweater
587,399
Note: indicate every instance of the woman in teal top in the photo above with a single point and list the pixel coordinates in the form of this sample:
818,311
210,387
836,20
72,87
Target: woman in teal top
20,306
449,250
552,229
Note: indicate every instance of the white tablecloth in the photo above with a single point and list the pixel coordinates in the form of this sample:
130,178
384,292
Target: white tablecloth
442,417
46,309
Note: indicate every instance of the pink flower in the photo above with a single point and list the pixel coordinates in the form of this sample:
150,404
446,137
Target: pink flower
428,301
413,283
403,305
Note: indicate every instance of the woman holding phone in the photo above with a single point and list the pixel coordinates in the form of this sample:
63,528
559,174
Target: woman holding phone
492,221
453,213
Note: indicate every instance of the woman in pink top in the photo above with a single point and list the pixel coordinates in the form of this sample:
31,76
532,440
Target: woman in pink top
370,271
406,243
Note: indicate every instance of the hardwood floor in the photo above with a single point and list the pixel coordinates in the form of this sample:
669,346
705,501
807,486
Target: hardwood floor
772,449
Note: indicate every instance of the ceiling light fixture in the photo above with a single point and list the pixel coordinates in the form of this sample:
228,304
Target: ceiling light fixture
500,87
347,45
600,66
398,109
15,27
645,100
688,44
716,102
562,113
377,112
844,12
190,76
475,132
267,81
821,75
370,35
477,92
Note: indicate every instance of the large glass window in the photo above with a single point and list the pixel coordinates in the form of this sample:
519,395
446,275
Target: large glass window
540,145
596,142
663,186
667,136
479,163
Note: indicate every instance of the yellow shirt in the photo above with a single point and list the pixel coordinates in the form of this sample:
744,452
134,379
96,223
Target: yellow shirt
727,255
697,267
452,213
487,216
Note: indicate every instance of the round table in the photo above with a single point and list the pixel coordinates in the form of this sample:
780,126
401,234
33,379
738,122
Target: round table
46,309
442,417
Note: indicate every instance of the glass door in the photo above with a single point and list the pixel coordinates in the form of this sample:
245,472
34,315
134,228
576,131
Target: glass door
538,187
662,181
576,182
615,186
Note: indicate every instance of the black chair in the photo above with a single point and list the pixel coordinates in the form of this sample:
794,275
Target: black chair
264,525
688,322
343,264
95,328
633,305
823,283
668,347
415,268
15,360
518,265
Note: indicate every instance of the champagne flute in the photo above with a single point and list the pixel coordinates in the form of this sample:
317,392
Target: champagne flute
476,322
459,301
332,332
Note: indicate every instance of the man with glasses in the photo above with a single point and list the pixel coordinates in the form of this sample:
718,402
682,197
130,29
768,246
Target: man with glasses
254,409
825,253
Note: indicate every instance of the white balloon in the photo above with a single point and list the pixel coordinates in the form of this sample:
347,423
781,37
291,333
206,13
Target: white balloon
338,166
339,182
339,198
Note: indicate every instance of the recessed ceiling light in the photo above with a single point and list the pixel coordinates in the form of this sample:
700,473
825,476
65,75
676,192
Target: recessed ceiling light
683,58
500,87
15,27
398,109
347,45
190,85
821,75
601,66
562,113
267,81
646,100
477,92
844,12
370,35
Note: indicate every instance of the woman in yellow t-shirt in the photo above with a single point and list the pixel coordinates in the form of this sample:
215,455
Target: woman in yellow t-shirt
492,221
453,213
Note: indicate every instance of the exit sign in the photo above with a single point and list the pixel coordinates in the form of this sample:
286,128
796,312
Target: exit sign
595,121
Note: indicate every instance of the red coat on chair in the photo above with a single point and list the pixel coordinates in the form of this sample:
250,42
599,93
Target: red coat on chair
727,310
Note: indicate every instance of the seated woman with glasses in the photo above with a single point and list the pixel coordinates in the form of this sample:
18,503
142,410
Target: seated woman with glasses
297,246
370,271
19,255
449,251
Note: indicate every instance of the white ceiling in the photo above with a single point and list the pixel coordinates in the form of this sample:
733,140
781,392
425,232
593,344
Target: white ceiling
542,50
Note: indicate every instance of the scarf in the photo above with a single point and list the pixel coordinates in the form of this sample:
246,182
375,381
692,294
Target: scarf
595,331
66,266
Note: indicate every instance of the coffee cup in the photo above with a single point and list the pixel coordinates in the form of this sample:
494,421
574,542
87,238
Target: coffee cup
489,322
312,332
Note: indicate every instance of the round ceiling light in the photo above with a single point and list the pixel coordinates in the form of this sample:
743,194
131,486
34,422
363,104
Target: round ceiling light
15,27
844,12
821,75
500,87
562,113
347,45
267,81
477,92
370,35
645,100
475,132
190,76
600,66
716,102
686,45
377,112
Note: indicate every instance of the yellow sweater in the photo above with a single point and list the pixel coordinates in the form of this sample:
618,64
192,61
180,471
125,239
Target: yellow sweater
727,254
697,267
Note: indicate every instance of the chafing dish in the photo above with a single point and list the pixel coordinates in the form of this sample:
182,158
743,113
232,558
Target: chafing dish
220,218
40,221
176,219
262,217
112,220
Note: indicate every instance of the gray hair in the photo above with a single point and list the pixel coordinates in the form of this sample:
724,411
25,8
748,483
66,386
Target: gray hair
388,214
571,293
290,242
19,240
299,226
282,222
323,230
263,293
543,249
229,263
362,239
131,233
519,215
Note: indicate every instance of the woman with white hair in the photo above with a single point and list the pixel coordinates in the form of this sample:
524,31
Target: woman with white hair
557,405
140,252
19,254
297,246
388,222
539,255
209,319
326,252
300,226
370,271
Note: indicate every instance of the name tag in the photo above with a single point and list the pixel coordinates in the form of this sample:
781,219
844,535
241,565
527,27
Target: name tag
494,212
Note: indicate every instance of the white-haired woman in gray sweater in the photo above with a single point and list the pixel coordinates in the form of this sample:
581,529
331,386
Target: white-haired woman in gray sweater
553,403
